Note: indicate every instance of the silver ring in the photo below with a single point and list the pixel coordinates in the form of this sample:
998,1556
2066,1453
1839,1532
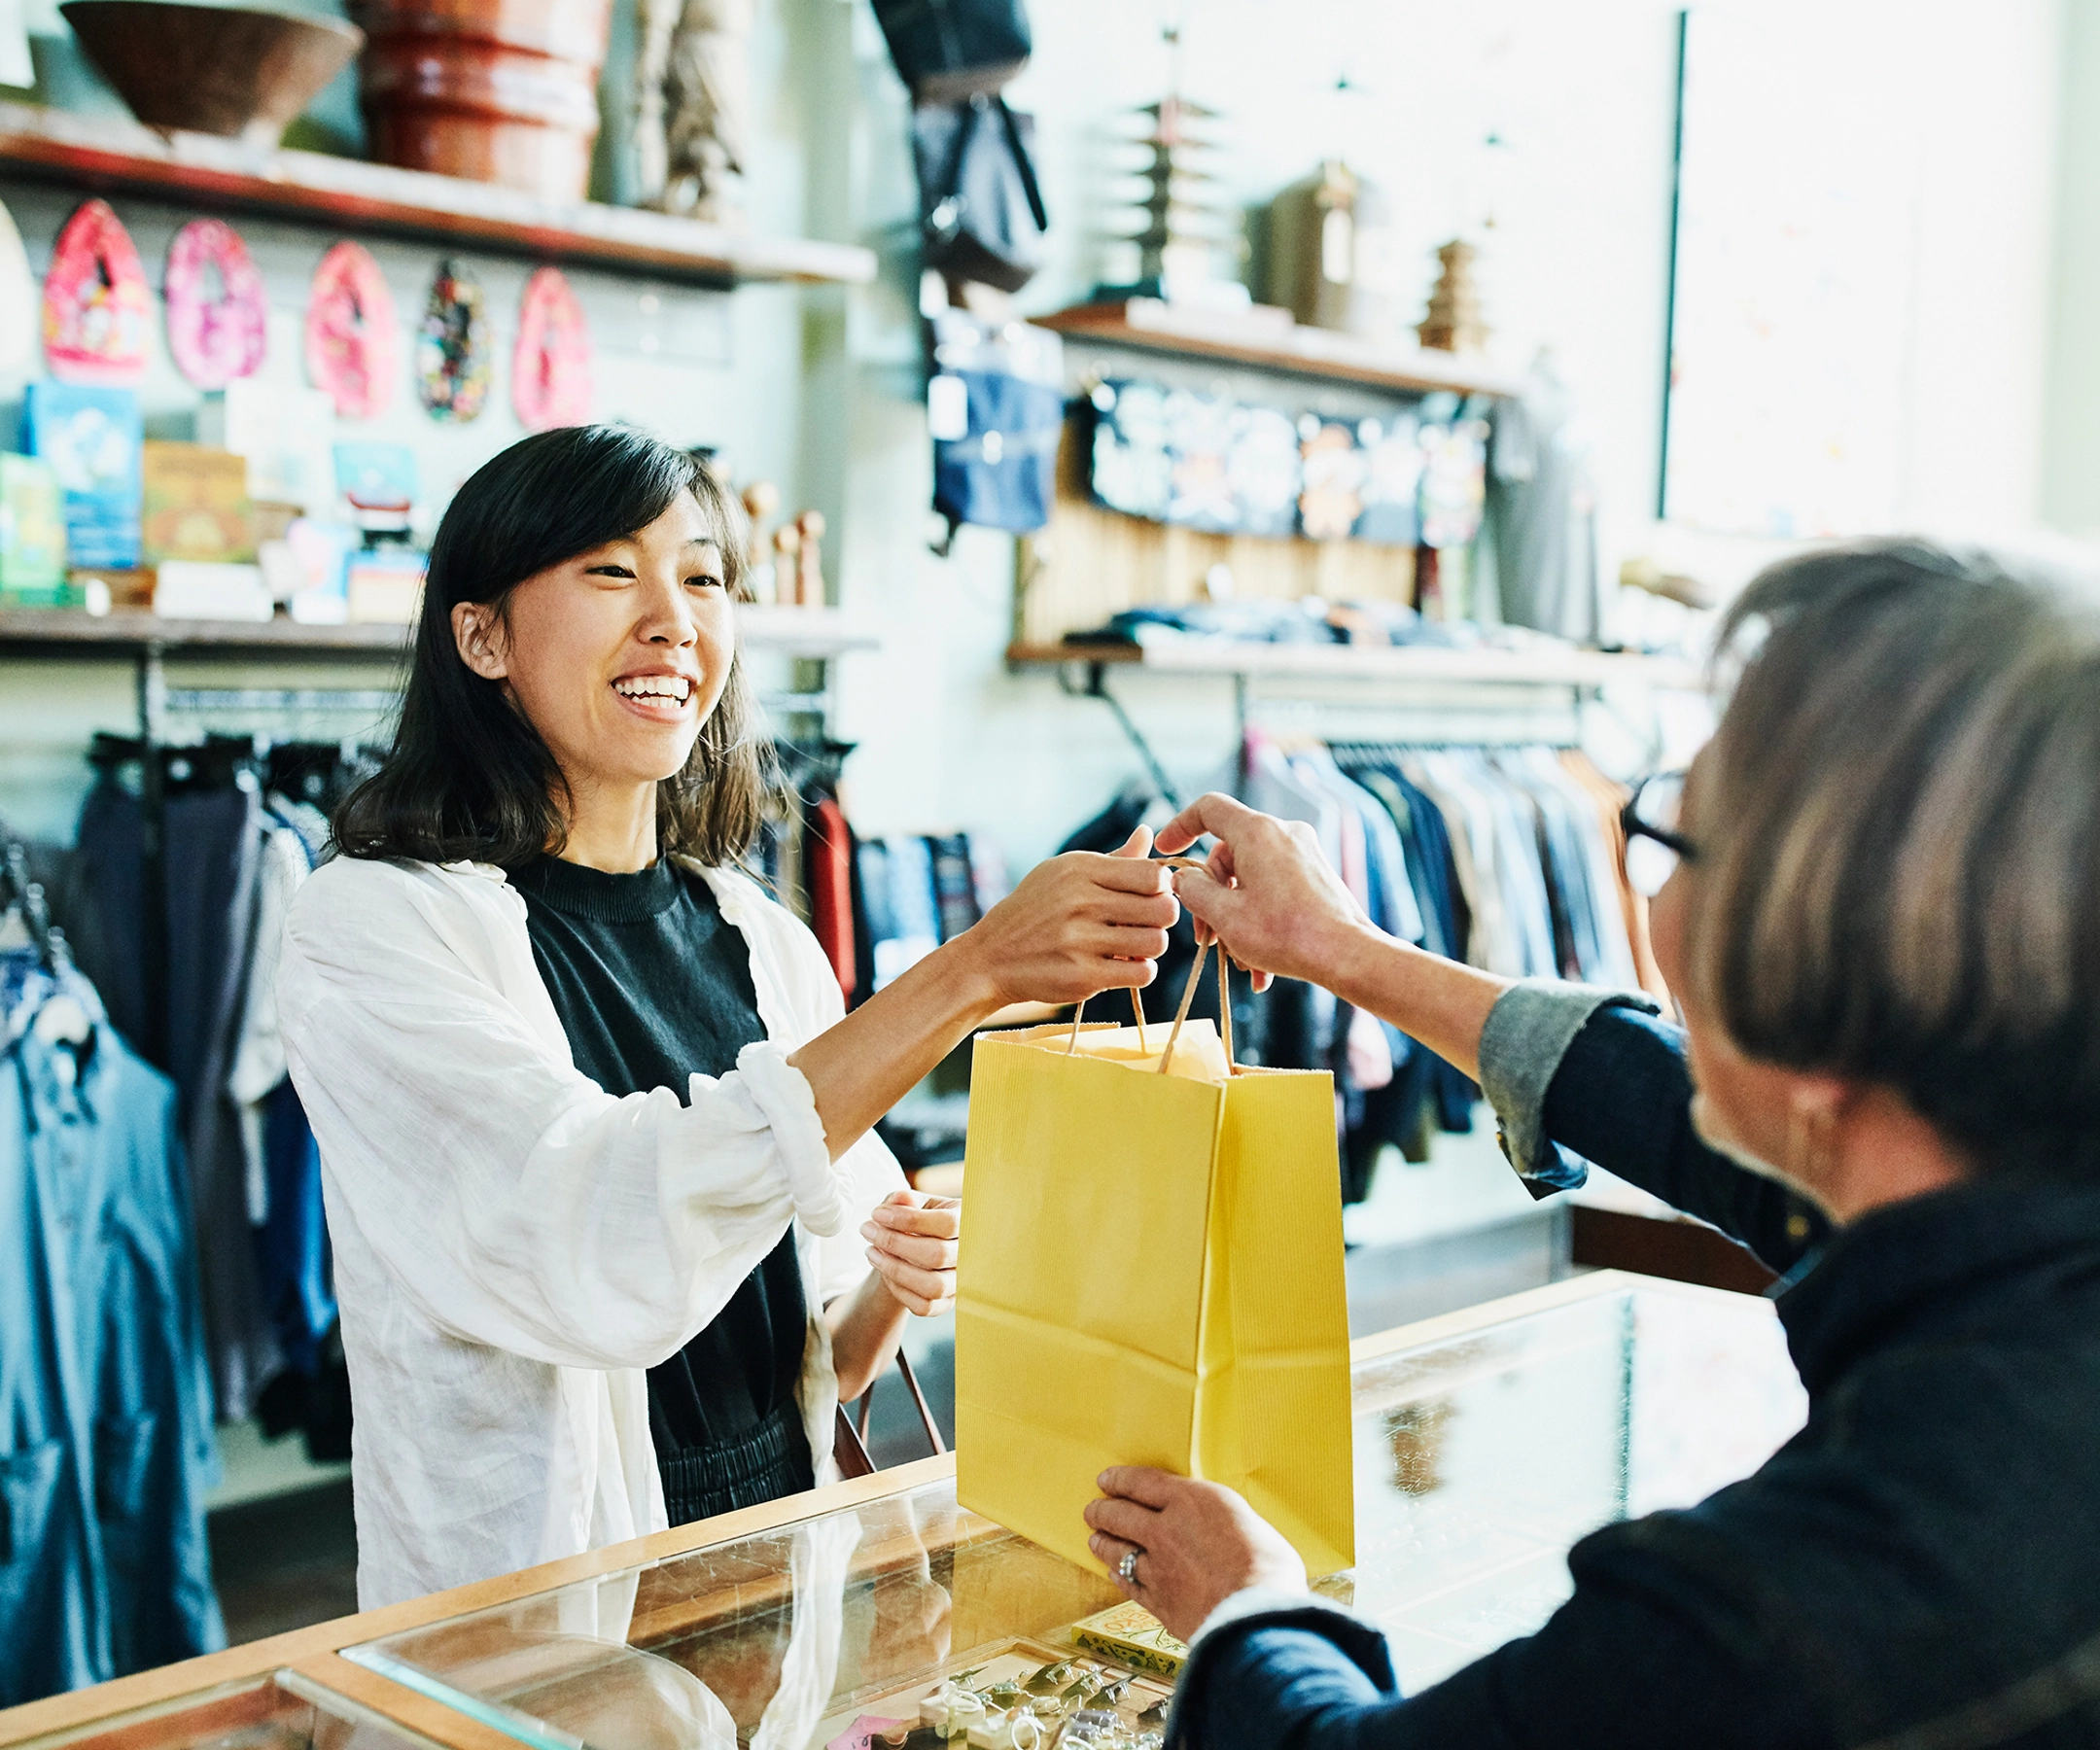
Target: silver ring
1127,1569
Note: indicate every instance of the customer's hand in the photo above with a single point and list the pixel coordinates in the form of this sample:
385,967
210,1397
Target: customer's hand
912,1242
1267,891
1077,925
1197,1544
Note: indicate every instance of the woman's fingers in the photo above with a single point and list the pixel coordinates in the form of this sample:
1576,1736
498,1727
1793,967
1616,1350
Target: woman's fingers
924,1291
912,1248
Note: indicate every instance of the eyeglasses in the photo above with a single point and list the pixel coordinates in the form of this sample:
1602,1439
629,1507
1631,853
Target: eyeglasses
1654,845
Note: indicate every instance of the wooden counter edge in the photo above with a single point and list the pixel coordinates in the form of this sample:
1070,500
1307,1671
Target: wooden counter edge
399,1705
165,1684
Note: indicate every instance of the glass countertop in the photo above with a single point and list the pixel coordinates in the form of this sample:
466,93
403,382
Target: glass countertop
1481,1454
280,1712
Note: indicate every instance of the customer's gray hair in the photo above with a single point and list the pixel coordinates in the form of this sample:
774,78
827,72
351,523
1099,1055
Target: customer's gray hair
1898,834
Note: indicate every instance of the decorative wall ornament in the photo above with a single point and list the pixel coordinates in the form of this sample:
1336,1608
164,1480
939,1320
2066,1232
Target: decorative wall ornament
452,347
692,105
550,374
350,334
96,303
215,340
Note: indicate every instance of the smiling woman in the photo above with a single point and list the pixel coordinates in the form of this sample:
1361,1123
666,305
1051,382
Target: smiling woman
612,1232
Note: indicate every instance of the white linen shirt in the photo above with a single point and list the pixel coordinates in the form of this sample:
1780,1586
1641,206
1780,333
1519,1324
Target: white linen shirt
515,1245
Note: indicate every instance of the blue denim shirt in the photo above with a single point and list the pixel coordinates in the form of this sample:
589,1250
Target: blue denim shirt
1918,1568
105,1412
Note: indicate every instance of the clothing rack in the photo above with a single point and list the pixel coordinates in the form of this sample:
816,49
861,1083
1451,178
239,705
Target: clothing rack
1471,713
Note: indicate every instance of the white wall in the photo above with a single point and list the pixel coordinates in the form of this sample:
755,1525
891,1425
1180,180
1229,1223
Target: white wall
819,389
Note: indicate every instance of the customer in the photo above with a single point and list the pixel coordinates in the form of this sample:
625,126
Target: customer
1884,930
595,1130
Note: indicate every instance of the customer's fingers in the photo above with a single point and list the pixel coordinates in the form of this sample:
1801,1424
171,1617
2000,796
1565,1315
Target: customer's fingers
1109,1553
1140,1482
1132,1524
1214,813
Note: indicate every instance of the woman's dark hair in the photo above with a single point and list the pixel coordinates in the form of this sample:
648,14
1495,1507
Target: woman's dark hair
468,778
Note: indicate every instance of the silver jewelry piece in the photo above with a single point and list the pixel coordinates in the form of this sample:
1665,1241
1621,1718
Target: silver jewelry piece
1127,1569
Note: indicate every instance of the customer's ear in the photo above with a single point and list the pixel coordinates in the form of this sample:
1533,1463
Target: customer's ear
477,630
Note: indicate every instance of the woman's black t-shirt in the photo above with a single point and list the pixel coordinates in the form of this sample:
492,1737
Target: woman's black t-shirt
653,986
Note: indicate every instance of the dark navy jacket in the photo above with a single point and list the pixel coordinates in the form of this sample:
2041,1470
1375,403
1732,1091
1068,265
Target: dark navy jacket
1918,1569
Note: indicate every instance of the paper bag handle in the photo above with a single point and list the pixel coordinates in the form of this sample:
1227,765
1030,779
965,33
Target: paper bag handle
1188,998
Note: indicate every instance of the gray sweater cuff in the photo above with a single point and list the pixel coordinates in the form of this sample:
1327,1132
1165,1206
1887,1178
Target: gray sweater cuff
1527,1033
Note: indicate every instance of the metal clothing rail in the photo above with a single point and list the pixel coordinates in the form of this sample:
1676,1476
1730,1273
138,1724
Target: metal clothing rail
1466,712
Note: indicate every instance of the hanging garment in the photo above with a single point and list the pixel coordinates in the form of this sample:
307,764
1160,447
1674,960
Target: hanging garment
104,1565
830,874
1609,798
1542,508
212,854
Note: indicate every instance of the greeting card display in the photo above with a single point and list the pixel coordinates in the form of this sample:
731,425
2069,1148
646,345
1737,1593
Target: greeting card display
97,307
350,337
91,436
452,347
550,374
215,340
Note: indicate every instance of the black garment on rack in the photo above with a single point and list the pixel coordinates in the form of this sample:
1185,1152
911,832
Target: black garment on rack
653,986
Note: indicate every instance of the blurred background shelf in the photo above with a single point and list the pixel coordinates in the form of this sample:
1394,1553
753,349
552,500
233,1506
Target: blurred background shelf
1543,667
1153,325
104,154
813,632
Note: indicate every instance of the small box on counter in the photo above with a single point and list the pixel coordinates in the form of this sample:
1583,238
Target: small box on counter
196,505
383,587
206,589
32,536
94,440
1133,1635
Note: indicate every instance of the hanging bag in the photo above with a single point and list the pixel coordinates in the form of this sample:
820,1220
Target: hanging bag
982,210
947,50
1151,1273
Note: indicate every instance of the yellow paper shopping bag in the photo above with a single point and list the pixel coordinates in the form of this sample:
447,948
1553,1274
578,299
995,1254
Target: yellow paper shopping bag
1151,1273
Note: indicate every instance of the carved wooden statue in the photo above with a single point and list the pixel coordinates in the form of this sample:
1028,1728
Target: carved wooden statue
692,104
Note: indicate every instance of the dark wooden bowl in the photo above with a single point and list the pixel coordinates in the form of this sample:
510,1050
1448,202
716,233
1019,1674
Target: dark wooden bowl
215,70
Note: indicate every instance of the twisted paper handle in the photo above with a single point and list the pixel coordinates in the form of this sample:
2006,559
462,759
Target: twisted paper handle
1071,1044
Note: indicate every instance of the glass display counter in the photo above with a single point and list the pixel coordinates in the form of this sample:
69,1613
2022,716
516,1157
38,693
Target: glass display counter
1486,1445
1486,1442
270,1711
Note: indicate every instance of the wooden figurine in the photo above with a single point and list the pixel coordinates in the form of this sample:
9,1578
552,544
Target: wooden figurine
809,560
787,539
762,498
1453,322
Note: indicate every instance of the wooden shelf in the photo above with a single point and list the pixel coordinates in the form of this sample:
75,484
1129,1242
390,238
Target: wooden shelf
105,154
1149,324
53,631
1545,666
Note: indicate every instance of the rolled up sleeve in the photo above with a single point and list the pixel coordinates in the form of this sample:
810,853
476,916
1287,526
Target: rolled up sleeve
1529,1031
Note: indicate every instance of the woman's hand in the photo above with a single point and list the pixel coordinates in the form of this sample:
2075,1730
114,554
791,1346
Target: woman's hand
1266,892
912,1241
1196,1543
1077,925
